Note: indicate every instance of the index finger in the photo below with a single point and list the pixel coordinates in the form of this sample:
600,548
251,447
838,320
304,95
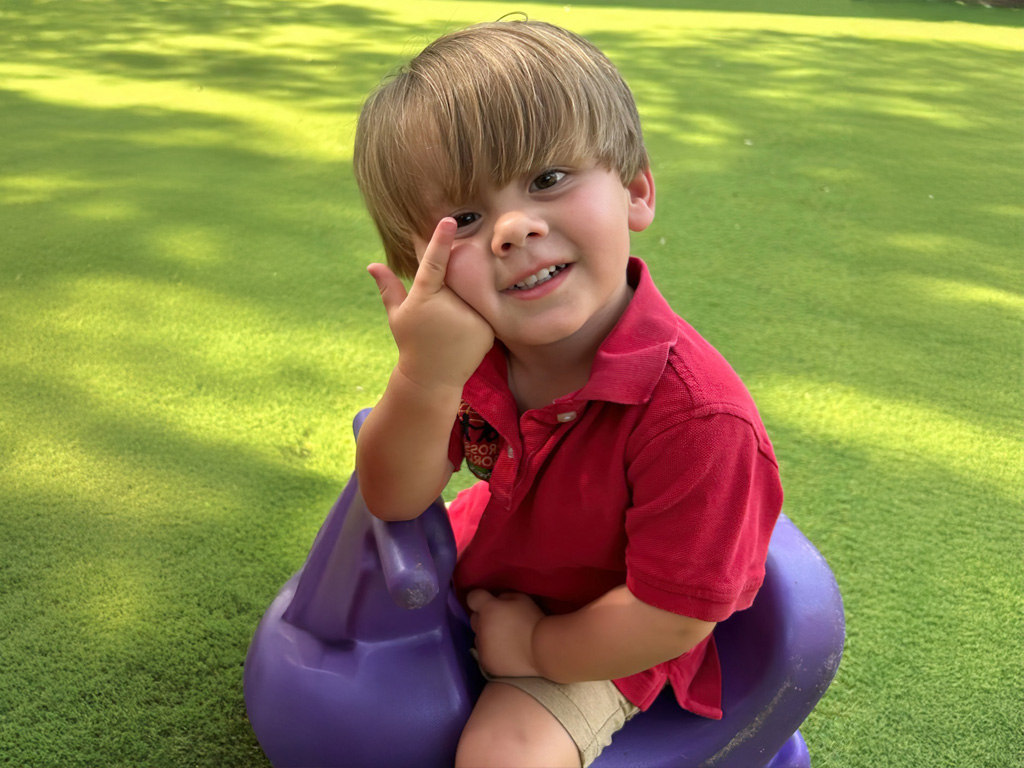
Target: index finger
432,269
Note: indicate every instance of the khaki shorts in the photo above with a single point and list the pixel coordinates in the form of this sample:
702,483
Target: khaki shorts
591,712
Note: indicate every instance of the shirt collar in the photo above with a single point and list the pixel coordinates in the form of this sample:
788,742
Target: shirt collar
630,360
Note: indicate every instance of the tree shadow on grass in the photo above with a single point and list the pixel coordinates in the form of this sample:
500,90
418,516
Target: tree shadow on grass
123,211
847,198
908,10
137,559
132,171
269,48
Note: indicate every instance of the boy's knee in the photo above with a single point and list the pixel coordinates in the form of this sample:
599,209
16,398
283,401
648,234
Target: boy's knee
500,746
513,730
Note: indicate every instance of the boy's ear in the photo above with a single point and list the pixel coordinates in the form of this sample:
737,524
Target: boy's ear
641,200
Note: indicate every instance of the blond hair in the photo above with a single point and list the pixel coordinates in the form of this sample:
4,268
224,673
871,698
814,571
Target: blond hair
487,104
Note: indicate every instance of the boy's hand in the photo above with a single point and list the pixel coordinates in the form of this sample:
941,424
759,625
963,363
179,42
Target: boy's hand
504,628
441,339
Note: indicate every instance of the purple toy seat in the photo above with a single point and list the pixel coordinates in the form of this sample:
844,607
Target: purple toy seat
356,664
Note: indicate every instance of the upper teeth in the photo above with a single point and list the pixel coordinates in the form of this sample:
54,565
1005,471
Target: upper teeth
545,274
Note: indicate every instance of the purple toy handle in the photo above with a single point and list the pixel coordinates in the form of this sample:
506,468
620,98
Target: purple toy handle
335,666
407,562
405,555
356,549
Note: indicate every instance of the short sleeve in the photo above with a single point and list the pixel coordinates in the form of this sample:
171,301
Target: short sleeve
705,498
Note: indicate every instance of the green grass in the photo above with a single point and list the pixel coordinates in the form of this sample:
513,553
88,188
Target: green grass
186,330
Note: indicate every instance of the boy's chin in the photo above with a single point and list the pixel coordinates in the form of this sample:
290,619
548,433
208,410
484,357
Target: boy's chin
542,337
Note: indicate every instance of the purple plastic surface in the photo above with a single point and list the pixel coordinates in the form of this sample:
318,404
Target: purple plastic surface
778,658
339,673
358,662
793,754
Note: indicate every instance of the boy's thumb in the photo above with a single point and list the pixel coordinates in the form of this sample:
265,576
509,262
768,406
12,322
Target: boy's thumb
392,292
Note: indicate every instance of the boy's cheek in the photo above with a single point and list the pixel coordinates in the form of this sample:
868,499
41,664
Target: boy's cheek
465,277
458,258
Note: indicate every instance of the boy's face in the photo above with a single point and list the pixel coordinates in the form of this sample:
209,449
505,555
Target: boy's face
545,256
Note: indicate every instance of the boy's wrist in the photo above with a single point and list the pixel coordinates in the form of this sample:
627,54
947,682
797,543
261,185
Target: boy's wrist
538,657
426,384
535,655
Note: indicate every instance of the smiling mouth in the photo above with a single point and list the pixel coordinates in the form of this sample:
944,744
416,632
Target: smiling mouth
545,274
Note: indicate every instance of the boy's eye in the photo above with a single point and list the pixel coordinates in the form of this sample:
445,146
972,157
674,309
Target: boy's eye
465,219
547,180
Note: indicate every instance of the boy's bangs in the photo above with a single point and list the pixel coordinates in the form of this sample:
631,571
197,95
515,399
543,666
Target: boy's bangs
493,139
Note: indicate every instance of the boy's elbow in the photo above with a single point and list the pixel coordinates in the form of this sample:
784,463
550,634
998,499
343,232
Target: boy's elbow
384,505
390,517
398,493
670,634
691,632
389,514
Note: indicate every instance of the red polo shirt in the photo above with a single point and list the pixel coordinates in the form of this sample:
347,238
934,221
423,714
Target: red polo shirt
656,474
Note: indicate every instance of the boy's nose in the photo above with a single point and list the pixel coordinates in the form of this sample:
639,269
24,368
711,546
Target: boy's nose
513,229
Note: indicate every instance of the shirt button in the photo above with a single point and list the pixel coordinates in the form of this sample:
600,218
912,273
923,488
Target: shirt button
511,453
567,416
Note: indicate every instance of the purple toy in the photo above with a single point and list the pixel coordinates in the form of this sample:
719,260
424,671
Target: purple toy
336,663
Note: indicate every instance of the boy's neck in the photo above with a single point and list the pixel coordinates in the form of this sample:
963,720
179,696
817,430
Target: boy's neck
538,375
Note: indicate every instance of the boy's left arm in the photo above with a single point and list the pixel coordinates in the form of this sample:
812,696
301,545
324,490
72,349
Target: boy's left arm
717,509
615,636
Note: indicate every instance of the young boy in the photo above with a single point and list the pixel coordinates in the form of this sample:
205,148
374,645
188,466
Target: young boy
629,489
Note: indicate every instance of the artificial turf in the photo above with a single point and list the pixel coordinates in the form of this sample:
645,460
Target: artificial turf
186,331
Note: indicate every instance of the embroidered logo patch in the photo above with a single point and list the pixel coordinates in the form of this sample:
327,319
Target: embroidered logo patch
479,441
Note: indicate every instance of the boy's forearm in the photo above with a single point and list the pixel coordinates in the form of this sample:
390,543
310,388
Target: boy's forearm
615,636
402,451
